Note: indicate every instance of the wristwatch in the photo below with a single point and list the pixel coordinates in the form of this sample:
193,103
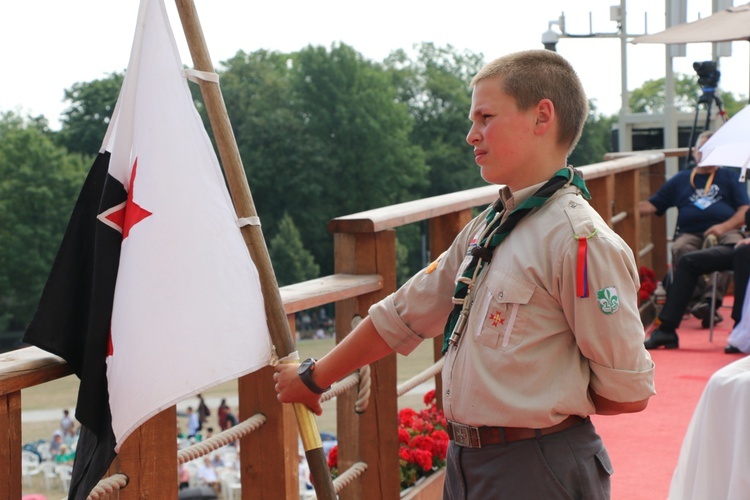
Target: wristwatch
305,373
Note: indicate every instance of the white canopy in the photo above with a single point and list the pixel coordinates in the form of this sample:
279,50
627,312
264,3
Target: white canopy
724,26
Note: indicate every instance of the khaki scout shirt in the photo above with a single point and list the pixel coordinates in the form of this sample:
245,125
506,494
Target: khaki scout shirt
532,348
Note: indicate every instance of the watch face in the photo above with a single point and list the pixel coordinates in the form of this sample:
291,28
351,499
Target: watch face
305,365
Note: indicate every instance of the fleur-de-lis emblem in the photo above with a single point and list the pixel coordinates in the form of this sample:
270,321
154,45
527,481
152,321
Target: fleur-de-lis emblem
608,300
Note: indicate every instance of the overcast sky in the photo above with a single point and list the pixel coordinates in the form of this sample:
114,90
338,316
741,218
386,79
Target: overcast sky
48,45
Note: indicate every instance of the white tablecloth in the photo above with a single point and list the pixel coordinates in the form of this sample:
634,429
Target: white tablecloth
714,462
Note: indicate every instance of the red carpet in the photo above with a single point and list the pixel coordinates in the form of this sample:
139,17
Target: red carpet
644,447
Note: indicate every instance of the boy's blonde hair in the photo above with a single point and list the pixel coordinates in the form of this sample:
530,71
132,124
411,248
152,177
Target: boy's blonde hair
533,75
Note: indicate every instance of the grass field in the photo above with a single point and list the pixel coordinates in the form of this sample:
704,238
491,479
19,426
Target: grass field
62,393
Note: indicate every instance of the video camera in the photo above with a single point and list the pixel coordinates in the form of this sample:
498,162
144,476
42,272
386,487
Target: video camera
708,75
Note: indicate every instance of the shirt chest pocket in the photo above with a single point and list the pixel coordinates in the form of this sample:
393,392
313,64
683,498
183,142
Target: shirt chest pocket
500,322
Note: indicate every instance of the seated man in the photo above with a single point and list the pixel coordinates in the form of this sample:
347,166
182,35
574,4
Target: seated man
722,257
710,202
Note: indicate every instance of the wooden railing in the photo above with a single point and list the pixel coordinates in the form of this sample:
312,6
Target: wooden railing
365,272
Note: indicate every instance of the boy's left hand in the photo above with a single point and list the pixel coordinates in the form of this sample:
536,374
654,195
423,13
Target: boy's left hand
290,389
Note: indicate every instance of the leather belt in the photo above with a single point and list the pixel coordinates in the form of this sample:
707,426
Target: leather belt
476,437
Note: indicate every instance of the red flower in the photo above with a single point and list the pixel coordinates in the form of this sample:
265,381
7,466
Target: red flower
333,457
424,442
423,459
405,416
403,436
648,283
429,397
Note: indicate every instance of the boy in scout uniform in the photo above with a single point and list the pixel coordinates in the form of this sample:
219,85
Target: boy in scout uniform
543,329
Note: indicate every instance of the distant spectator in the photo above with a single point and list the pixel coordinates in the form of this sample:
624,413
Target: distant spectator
231,422
183,476
203,412
306,321
57,446
216,460
66,425
221,414
207,474
194,424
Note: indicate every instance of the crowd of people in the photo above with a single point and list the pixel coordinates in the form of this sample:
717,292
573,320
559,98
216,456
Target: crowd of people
208,469
63,440
314,324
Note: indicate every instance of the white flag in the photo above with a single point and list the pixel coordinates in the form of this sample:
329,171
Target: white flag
188,311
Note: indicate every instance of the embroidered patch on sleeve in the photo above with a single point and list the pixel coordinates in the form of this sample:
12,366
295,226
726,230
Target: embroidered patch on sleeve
433,265
608,300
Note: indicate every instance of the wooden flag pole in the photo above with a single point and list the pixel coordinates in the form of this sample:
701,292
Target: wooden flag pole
278,326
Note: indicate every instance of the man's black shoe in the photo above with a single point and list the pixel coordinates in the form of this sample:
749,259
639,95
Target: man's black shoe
718,318
702,311
659,338
730,349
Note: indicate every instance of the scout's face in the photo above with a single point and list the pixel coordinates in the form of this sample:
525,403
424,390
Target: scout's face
501,135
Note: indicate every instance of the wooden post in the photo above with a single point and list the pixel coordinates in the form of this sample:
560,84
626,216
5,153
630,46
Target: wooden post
253,235
372,436
602,191
20,369
626,200
10,446
275,443
149,458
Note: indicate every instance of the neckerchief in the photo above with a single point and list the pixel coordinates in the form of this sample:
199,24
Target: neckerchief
491,237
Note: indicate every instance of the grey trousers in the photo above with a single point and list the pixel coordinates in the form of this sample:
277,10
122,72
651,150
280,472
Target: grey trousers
571,464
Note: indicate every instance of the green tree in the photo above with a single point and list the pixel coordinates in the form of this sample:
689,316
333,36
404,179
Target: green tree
651,96
322,133
39,182
292,263
596,139
436,88
732,104
85,121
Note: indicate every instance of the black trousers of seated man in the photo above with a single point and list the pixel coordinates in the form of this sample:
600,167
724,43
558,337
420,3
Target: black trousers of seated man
695,264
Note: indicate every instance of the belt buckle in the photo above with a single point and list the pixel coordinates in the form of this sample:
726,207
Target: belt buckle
466,435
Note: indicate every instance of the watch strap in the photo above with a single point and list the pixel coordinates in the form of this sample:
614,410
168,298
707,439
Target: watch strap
306,377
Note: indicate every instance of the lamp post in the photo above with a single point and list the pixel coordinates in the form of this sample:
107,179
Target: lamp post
618,14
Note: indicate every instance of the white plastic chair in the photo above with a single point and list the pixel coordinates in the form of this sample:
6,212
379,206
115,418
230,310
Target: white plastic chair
230,482
229,457
192,468
29,465
50,474
43,450
64,472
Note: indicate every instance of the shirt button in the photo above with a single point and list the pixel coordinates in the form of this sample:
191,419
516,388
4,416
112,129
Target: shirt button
448,392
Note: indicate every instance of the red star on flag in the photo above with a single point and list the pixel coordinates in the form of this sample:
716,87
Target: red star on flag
124,216
497,318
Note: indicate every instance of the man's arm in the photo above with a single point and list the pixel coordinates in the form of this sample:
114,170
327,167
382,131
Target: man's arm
362,346
606,406
734,222
646,208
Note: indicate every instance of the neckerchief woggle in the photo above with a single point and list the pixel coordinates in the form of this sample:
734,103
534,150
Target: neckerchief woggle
494,234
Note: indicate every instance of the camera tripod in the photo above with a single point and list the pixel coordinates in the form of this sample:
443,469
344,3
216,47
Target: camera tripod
708,98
